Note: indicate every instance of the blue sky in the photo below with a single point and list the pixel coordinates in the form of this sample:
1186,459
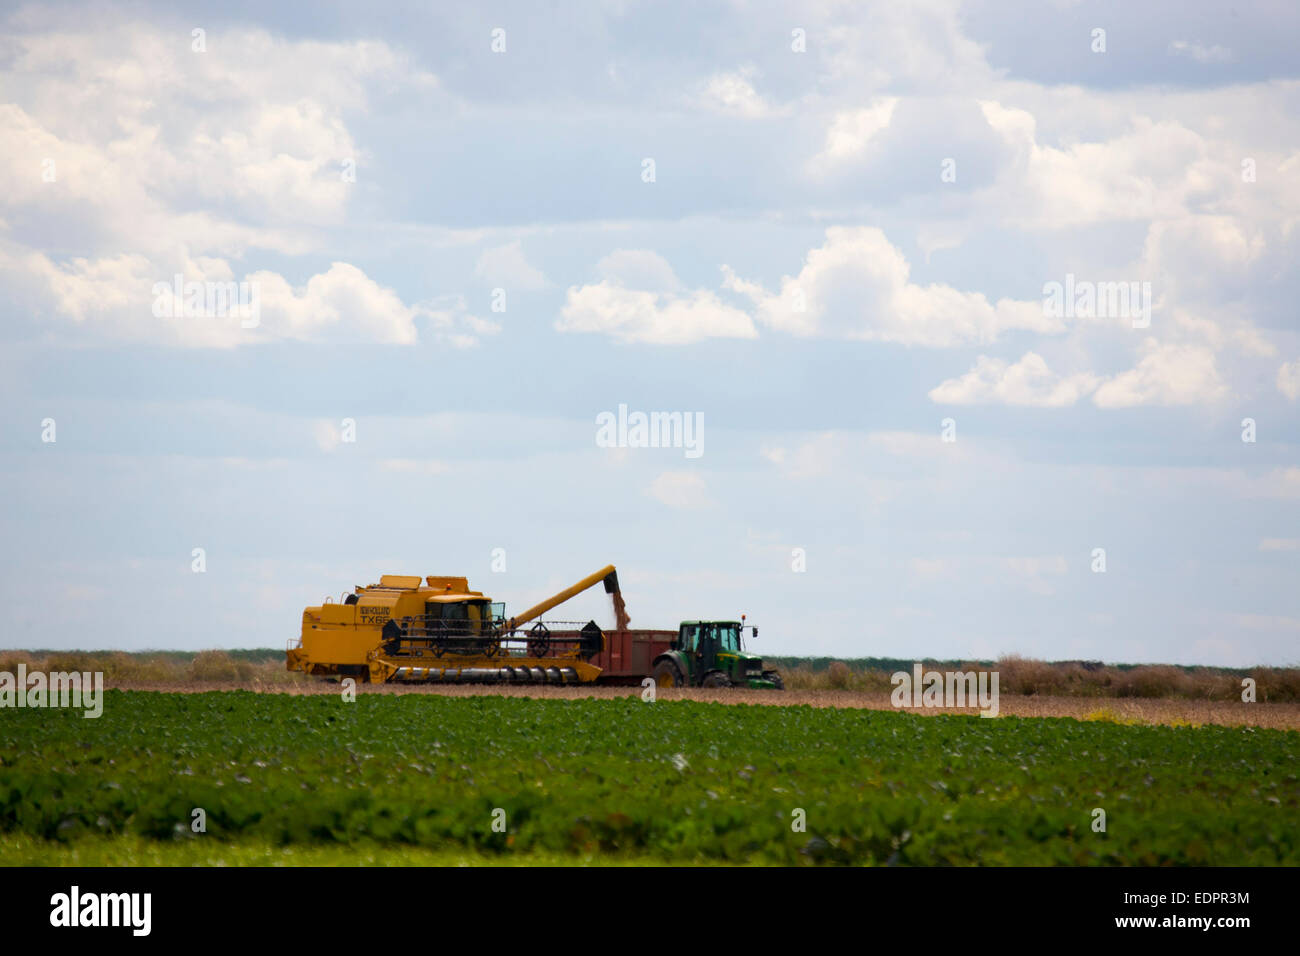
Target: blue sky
854,213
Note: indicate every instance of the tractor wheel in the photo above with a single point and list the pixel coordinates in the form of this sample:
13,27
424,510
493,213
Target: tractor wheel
716,679
775,678
667,675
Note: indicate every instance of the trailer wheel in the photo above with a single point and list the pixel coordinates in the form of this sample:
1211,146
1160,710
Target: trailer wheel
667,675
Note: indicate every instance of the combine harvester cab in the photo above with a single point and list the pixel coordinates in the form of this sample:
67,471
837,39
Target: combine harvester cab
412,629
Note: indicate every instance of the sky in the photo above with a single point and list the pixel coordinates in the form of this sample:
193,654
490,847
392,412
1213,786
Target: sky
874,253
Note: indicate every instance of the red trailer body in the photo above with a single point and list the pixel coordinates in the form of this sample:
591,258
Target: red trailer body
628,656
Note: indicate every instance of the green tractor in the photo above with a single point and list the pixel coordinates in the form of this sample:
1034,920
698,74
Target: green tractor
712,654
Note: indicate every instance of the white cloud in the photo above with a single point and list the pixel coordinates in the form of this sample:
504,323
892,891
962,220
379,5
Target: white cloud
655,315
1027,382
639,269
167,161
113,298
1222,333
856,285
917,46
83,288
680,489
635,316
340,303
1165,375
452,322
1201,256
1148,172
508,267
852,131
733,92
150,138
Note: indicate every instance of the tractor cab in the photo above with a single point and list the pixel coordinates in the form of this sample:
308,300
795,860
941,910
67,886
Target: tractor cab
712,654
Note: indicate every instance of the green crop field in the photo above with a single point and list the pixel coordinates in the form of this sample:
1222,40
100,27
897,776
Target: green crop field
422,778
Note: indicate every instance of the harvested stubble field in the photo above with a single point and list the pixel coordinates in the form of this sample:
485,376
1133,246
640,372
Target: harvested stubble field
1151,694
420,777
1018,676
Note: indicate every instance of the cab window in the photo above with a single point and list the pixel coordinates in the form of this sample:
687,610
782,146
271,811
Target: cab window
689,635
728,638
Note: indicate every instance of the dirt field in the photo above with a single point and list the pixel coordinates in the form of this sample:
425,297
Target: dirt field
1174,712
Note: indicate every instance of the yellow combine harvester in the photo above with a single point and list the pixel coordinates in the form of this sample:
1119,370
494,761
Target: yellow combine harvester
407,628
